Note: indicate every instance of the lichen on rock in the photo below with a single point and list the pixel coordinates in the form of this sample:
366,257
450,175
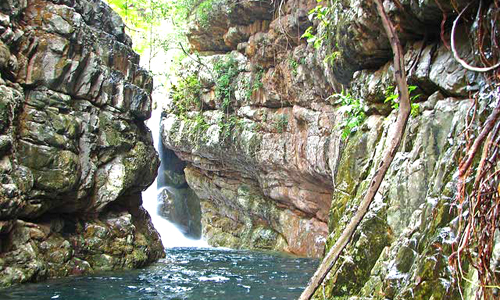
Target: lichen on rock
75,153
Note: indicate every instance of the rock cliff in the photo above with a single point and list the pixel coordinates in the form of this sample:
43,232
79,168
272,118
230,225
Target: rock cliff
260,118
75,153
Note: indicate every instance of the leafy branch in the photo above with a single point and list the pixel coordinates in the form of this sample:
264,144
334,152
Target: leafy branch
392,97
322,14
354,111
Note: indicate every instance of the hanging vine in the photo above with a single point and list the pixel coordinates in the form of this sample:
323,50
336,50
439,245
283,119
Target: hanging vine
478,185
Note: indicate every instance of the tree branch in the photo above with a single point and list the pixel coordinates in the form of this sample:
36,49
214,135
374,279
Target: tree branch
487,127
198,60
455,53
388,155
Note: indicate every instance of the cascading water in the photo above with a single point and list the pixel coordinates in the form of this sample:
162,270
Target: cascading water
170,234
190,271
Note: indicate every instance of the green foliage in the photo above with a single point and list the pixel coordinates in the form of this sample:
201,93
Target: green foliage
354,110
186,94
142,18
226,71
311,37
281,123
392,96
293,65
200,125
197,126
254,83
322,14
139,14
201,10
321,33
332,57
157,26
229,125
257,83
415,110
204,11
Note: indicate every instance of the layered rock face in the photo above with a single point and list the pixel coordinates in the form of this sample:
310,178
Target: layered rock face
75,153
259,120
260,158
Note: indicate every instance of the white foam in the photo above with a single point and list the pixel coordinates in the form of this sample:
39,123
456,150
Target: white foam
213,278
170,235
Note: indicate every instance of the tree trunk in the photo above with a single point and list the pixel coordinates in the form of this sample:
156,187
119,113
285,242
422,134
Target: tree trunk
394,139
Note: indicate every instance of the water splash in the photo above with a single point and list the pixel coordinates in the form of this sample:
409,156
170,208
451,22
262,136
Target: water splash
188,274
171,236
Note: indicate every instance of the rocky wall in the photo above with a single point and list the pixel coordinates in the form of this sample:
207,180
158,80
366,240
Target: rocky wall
178,203
75,153
260,122
262,164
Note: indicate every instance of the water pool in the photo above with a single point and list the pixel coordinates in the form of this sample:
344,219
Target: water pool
186,273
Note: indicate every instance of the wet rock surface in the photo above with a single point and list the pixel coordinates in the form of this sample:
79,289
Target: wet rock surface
177,201
271,167
75,152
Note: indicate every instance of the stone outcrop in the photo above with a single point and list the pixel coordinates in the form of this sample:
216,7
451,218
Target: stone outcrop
265,179
178,203
75,153
260,127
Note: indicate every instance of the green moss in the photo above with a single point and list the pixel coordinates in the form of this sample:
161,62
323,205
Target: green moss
63,124
113,133
4,114
138,258
281,123
226,71
53,169
264,238
254,83
186,95
348,177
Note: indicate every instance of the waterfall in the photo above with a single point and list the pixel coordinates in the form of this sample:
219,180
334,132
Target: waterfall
170,234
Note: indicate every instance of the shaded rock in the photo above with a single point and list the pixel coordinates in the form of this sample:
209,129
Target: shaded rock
181,207
210,27
171,171
239,216
74,151
115,240
360,40
177,201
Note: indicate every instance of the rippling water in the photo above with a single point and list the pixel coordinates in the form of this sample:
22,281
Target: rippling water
186,273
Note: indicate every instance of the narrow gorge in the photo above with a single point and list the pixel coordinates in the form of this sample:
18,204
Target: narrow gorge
281,136
275,125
